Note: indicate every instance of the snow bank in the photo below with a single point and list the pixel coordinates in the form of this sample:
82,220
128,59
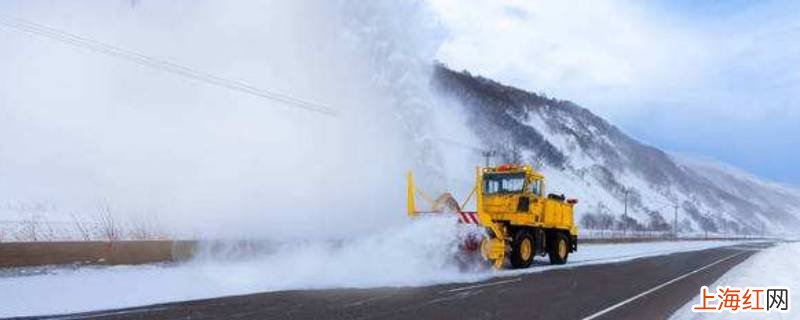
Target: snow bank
415,254
418,253
772,267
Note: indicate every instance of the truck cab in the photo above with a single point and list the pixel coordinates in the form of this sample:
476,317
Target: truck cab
512,193
519,218
514,197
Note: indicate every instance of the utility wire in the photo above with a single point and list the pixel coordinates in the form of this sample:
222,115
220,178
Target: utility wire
664,207
459,144
659,201
163,65
487,154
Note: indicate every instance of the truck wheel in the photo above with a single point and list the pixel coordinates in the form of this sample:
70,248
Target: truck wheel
522,250
559,249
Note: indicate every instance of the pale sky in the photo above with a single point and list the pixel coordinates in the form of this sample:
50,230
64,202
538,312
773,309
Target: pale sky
713,79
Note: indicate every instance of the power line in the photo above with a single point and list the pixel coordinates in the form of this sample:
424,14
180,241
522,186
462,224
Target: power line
627,191
487,154
658,201
163,65
675,221
663,207
460,144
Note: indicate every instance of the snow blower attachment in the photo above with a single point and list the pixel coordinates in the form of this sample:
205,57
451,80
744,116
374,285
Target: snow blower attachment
517,220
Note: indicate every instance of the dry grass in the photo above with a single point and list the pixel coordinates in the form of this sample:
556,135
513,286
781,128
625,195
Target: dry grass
81,227
104,224
107,222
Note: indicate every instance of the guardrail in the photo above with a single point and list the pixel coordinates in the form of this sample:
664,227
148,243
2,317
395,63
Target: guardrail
633,235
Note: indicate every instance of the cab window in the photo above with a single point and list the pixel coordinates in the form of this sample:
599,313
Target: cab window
505,183
535,187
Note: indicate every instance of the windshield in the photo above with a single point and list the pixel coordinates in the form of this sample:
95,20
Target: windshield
500,183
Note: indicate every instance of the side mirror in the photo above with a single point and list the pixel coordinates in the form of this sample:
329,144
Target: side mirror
524,204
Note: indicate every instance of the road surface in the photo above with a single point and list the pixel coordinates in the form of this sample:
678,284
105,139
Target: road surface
644,288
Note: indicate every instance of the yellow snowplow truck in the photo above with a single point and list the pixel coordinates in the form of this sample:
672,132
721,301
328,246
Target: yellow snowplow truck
520,220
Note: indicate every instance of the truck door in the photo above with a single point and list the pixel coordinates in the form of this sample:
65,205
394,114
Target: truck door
536,206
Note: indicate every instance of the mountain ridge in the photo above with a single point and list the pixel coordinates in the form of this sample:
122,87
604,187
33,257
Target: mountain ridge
600,163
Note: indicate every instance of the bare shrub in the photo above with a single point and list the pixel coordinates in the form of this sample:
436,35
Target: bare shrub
81,226
29,230
47,233
107,223
141,228
601,221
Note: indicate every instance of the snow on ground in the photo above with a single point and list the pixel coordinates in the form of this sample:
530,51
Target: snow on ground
776,266
370,262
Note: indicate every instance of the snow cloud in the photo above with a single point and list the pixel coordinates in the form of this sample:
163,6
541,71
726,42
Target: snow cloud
80,129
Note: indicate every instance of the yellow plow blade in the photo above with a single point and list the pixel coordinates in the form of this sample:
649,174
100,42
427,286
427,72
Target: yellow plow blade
492,247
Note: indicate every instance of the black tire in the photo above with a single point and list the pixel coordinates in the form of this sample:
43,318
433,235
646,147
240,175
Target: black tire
558,248
519,260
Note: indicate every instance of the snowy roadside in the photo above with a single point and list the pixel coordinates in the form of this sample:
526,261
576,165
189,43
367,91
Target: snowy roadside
776,266
100,288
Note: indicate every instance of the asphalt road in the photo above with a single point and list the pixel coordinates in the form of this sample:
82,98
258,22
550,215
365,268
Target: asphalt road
645,288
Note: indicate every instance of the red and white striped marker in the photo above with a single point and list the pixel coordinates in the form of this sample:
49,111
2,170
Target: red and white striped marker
468,217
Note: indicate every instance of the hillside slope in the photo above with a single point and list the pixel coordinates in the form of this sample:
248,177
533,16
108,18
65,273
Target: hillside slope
586,157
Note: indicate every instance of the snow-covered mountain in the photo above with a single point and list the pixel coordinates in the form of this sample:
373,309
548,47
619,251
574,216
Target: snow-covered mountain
586,157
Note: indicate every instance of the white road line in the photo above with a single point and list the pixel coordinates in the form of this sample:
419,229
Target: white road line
482,285
746,249
612,308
